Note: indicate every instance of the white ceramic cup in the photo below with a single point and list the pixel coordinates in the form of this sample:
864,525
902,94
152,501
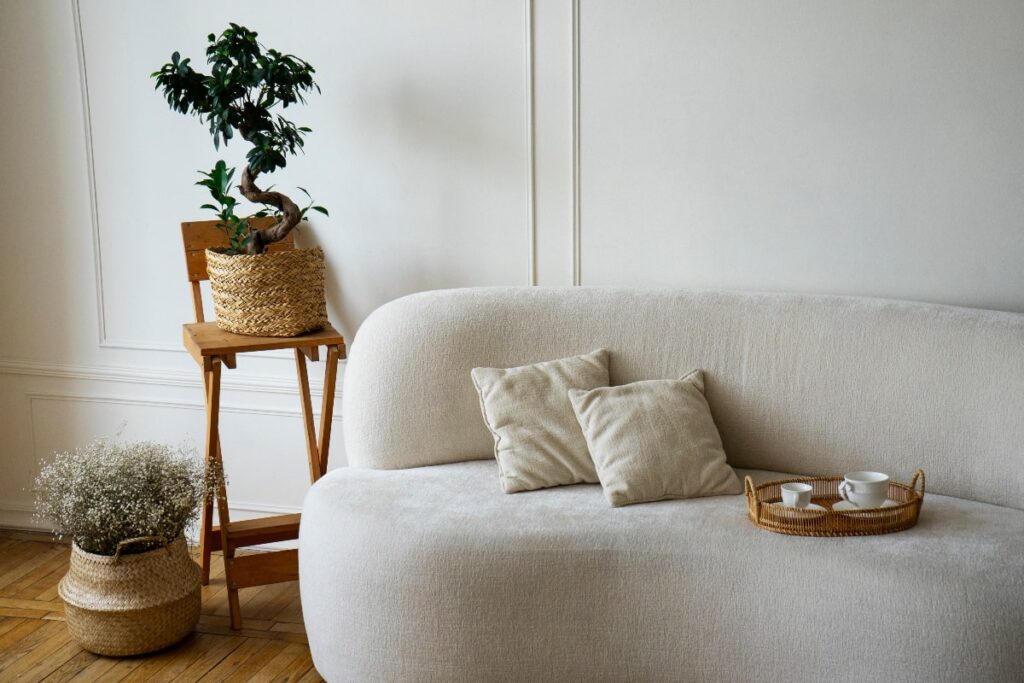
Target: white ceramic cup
865,489
796,495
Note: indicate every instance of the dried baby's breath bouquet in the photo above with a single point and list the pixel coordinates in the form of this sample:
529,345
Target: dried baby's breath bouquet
108,492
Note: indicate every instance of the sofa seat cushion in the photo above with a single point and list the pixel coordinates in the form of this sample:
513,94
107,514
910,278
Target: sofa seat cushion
434,574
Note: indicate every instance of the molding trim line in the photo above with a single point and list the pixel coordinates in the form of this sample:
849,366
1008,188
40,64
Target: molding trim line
163,403
90,170
531,150
577,277
167,378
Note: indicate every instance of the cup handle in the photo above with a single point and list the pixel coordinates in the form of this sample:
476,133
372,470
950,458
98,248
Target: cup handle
843,486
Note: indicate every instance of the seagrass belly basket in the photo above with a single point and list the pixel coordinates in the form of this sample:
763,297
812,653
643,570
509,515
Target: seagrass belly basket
274,294
124,605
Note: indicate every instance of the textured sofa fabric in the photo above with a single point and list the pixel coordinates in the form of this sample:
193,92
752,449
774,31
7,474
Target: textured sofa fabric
795,383
434,574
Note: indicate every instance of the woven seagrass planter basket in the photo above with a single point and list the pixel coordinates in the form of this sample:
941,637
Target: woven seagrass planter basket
124,605
274,294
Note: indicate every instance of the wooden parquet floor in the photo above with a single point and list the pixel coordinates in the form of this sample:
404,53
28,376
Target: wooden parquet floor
35,645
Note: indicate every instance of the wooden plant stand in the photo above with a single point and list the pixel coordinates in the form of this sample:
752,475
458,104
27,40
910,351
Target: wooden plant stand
213,349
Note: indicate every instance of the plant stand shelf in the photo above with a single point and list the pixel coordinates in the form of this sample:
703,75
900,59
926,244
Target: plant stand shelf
213,349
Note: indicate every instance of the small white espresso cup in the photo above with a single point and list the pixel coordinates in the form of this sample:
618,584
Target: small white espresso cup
796,495
865,489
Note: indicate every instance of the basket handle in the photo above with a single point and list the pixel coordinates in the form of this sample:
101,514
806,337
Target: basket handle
749,489
913,482
139,539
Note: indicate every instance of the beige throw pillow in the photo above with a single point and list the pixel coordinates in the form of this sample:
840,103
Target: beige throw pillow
537,441
654,440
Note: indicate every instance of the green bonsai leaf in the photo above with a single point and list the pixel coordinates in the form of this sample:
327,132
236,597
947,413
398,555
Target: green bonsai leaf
311,206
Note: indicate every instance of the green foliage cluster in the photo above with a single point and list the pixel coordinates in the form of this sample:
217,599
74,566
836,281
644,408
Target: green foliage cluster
246,84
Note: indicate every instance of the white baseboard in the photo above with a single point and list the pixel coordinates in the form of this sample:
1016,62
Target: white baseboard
20,517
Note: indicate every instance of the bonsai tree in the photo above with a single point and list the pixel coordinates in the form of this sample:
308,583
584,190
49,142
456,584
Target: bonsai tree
247,82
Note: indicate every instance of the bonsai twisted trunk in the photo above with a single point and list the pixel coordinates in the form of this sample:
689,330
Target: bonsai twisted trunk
290,214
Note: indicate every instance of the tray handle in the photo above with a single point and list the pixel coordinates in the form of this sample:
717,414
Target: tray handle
752,503
913,482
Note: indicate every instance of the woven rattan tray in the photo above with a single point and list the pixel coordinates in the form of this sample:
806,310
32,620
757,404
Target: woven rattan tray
764,504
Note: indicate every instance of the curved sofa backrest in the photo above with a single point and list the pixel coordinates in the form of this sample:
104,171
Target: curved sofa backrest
803,384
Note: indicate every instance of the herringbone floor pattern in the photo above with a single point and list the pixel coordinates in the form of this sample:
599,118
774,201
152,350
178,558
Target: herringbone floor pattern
35,646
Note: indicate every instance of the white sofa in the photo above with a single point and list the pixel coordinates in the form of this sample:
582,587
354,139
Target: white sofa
414,566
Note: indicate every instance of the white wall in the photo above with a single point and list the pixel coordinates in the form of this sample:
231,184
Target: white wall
867,148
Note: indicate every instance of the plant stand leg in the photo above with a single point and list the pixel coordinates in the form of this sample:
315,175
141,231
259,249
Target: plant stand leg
312,450
206,542
209,538
213,451
316,451
327,408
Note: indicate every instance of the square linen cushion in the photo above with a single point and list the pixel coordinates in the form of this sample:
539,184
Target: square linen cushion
654,440
537,441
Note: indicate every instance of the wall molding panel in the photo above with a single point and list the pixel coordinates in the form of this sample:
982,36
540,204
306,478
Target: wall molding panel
848,150
20,514
107,342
